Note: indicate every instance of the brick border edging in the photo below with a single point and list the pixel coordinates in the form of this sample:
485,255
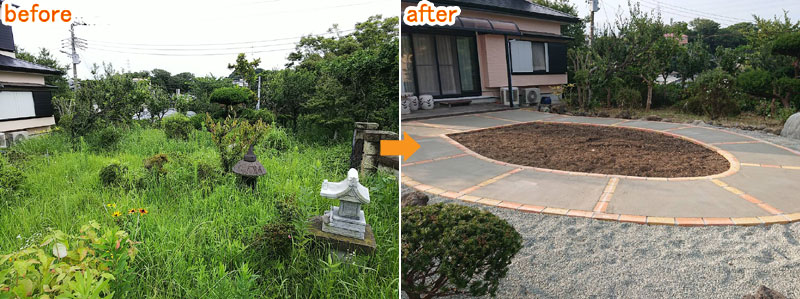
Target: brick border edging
732,160
637,219
735,165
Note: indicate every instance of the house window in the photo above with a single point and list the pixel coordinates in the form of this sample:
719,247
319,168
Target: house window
16,104
529,57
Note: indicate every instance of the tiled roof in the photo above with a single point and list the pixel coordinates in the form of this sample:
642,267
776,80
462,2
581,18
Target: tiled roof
517,7
17,65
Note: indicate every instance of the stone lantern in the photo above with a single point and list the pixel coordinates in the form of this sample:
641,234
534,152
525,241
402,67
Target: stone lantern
249,169
347,219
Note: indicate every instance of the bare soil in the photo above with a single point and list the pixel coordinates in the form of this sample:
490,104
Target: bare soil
594,149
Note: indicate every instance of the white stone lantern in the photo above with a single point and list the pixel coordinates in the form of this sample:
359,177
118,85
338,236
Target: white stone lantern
347,219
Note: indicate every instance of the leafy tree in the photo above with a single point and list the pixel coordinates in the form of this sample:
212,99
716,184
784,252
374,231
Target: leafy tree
158,102
202,87
714,93
180,81
289,90
692,60
789,45
160,78
245,70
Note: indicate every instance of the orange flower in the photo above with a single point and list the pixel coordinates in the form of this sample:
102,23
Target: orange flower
143,211
132,211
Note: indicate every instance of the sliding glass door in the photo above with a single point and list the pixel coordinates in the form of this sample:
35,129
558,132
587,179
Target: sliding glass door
444,66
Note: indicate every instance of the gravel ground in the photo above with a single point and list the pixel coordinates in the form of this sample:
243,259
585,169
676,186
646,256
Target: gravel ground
566,257
776,139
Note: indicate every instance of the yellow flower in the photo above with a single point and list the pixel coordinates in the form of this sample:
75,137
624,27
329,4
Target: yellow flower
111,205
132,211
143,211
116,214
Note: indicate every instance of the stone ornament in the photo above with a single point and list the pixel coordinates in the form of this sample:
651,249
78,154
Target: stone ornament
249,168
413,102
406,108
347,219
426,102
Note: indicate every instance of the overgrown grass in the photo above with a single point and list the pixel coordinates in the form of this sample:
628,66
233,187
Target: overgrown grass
195,240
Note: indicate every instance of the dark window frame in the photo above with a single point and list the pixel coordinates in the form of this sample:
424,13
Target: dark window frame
451,33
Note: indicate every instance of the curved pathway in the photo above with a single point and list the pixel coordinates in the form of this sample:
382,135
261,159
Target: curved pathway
762,185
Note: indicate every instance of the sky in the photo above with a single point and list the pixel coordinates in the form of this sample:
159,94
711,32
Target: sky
179,30
725,12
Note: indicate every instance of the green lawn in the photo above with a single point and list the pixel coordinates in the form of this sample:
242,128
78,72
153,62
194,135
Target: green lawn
195,241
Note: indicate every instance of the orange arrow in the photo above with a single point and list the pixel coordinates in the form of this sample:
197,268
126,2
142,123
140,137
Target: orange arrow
405,147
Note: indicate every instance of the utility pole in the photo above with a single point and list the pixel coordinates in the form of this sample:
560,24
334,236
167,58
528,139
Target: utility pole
595,8
75,44
258,103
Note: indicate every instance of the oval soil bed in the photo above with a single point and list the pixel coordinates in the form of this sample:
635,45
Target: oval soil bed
594,149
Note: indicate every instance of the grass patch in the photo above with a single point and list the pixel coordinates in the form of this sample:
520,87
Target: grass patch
196,240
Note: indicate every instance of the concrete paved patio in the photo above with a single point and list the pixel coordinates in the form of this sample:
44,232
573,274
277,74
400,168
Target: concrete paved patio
762,185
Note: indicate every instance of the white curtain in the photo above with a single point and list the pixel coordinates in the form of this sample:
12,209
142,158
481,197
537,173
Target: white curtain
521,56
539,57
425,59
448,67
16,104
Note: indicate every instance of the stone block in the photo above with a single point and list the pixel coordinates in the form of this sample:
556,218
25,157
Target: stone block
366,245
366,126
371,148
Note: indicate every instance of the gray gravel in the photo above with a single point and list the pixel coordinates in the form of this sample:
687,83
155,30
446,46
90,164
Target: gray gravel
776,139
565,257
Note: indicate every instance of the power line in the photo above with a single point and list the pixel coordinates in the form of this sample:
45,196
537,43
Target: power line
667,10
694,11
194,49
215,44
185,54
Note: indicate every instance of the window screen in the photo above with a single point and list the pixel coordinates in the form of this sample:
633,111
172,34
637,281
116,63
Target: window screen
16,104
528,56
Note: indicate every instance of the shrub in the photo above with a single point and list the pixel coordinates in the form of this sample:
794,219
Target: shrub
233,138
232,95
11,179
278,139
275,241
263,115
155,164
713,94
105,138
667,94
629,98
287,209
197,121
91,265
452,249
177,126
113,175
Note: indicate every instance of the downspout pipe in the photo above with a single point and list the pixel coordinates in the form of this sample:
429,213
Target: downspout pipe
508,70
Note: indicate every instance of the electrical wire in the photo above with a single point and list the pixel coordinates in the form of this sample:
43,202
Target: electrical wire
213,44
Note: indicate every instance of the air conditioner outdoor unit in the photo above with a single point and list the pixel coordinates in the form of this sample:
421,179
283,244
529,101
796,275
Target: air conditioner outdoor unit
18,136
514,95
532,96
5,140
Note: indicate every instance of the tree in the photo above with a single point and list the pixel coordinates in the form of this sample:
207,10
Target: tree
651,50
289,90
160,78
245,70
180,81
157,103
692,60
202,87
789,45
232,96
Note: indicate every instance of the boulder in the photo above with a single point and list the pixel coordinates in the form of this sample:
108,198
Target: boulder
791,129
765,293
624,115
414,199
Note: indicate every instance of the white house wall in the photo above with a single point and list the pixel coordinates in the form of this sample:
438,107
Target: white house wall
32,126
14,77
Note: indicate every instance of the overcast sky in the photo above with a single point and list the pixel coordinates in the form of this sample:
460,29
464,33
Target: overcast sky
171,28
725,12
192,27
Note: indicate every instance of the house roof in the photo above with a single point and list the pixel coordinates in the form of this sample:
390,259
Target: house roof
514,7
8,63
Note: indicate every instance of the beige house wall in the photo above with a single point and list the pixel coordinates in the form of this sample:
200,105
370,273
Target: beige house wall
492,53
14,77
32,125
